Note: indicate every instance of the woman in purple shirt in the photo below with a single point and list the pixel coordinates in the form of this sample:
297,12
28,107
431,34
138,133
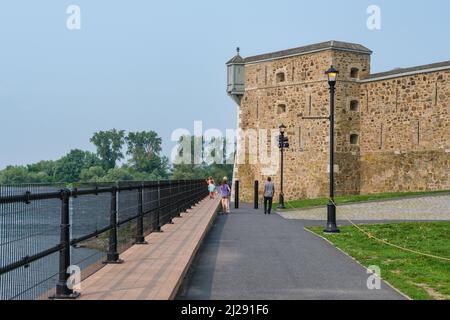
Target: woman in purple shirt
225,193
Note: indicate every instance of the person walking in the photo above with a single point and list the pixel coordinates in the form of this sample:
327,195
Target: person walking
269,191
225,192
211,188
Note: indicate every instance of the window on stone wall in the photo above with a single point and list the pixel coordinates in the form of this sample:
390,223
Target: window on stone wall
281,108
354,138
280,77
354,105
354,73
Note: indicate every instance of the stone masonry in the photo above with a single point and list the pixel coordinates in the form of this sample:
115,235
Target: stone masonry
392,128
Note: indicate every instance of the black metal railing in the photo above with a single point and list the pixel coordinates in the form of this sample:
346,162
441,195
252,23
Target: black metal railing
47,232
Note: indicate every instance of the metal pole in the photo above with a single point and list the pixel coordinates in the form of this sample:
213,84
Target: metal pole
179,198
281,197
140,239
112,255
236,194
256,194
170,203
158,224
62,289
331,207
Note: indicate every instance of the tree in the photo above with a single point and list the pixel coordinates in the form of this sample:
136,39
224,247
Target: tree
92,174
69,167
42,169
109,146
118,174
144,149
14,175
185,168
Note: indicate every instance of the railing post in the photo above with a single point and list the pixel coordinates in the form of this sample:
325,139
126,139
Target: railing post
62,289
171,206
158,211
190,194
185,197
140,239
236,194
256,194
112,255
179,199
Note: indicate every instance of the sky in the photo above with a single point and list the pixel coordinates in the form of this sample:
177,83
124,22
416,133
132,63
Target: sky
160,65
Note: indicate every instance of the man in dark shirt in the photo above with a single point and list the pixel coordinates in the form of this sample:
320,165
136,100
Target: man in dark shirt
269,191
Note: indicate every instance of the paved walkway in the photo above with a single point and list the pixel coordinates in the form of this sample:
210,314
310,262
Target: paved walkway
249,255
412,209
154,271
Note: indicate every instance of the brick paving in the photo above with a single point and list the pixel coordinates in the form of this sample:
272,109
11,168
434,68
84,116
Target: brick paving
154,271
411,209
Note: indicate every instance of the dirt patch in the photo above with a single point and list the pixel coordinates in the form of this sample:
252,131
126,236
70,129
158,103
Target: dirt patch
433,293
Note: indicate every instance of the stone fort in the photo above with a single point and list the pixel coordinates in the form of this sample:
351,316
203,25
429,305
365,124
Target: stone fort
392,129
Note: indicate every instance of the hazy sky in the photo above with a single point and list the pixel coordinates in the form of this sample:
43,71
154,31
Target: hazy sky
160,65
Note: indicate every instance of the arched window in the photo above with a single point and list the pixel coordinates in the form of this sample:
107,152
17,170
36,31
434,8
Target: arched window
354,73
354,105
354,138
280,77
281,108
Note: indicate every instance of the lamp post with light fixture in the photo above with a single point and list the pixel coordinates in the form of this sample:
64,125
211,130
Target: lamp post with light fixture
283,143
331,227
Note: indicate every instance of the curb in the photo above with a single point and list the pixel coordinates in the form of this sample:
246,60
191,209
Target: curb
359,263
178,286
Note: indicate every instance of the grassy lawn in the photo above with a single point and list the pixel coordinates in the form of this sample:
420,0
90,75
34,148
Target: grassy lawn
308,203
417,276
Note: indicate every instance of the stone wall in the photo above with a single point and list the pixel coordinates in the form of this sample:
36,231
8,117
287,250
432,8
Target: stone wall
401,124
405,136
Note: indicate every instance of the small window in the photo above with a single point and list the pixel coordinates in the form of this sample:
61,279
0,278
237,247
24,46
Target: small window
280,77
354,73
354,105
354,139
281,108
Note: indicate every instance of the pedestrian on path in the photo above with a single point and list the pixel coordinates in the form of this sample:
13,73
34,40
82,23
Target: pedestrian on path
269,191
225,192
211,188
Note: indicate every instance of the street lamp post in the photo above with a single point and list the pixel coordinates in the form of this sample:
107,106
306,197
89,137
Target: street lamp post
283,143
331,227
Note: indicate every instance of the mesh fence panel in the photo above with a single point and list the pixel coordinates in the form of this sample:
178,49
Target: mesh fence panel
149,205
27,229
89,215
127,209
30,228
165,202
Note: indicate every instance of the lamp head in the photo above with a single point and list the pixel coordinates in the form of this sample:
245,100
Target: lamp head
332,75
282,128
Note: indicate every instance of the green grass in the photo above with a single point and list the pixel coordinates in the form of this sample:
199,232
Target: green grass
417,276
308,203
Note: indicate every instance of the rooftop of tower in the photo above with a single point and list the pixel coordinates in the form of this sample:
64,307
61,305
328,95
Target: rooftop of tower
335,45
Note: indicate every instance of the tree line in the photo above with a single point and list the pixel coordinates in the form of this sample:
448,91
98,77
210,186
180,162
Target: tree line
119,156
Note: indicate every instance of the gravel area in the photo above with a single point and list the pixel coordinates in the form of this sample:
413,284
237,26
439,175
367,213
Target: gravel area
411,209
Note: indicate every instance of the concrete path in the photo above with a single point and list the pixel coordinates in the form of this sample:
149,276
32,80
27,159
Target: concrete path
249,255
154,271
411,209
